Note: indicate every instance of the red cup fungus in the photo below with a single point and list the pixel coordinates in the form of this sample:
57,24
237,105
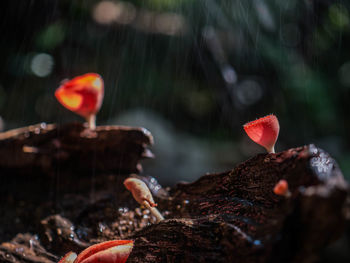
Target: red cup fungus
281,188
264,131
115,251
83,95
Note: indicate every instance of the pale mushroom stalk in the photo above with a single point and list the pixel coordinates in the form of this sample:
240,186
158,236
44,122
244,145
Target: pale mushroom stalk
91,120
288,194
271,150
154,211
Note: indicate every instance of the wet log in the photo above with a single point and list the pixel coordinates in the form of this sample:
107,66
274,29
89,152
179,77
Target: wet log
73,147
41,163
232,216
236,217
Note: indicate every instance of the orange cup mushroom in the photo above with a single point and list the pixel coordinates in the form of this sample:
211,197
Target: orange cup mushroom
115,251
83,95
143,196
282,188
264,131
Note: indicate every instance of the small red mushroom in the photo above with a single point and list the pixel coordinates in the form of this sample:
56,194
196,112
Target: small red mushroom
142,195
281,188
264,131
83,95
115,251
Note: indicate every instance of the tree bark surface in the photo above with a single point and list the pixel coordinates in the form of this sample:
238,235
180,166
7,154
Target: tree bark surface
232,216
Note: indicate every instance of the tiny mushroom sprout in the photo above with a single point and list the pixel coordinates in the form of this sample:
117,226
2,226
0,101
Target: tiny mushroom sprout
83,95
264,131
114,251
282,189
143,196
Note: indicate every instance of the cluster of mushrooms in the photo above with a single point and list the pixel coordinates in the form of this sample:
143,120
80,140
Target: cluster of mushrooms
84,95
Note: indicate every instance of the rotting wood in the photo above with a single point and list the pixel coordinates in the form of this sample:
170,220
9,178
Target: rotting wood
232,216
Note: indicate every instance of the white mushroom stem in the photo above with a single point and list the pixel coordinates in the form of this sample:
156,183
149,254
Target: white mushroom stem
91,120
271,150
288,194
154,211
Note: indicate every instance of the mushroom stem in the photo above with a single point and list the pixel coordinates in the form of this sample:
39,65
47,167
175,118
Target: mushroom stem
271,150
91,120
154,211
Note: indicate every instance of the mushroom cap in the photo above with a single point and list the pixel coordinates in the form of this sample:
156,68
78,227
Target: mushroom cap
139,190
263,131
114,251
281,188
83,94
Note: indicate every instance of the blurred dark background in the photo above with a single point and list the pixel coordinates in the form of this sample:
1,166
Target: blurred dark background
192,72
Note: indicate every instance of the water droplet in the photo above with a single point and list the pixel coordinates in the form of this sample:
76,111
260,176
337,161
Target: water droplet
102,227
138,211
145,212
43,125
